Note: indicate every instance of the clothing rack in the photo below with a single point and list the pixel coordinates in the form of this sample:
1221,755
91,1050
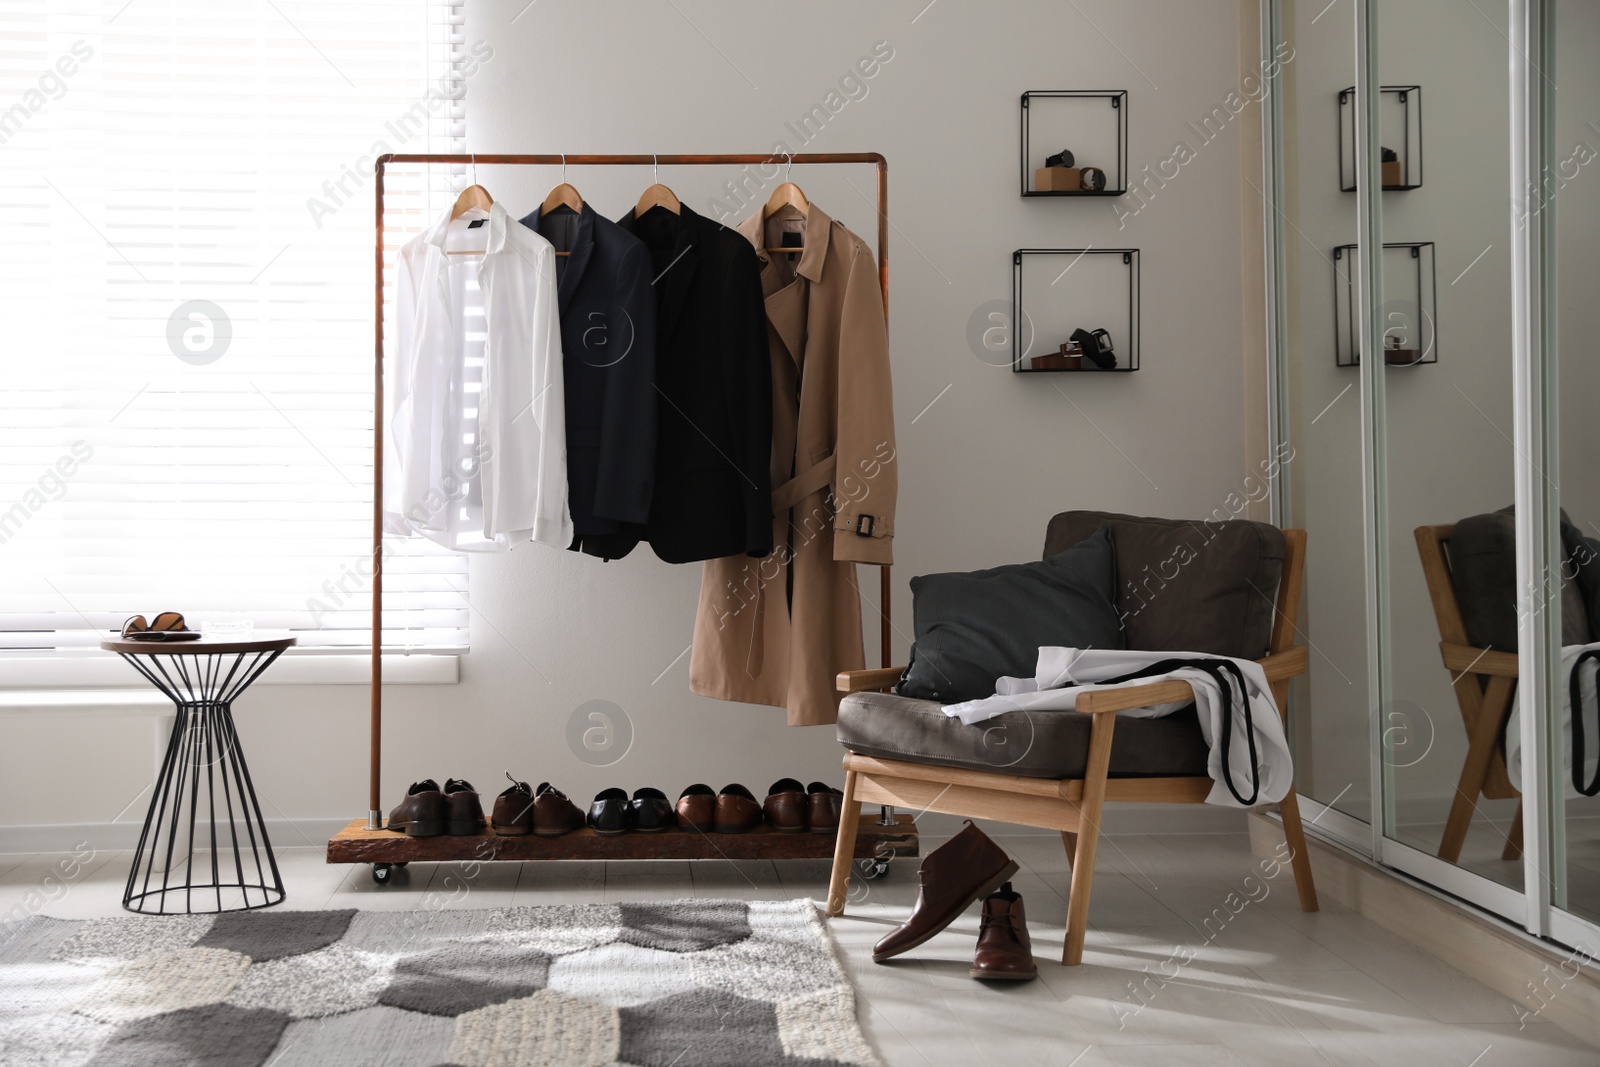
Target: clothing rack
350,845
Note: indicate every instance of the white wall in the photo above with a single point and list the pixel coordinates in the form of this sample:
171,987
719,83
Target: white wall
986,456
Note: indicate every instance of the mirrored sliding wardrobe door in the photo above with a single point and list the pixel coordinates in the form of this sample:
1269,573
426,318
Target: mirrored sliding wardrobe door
1319,407
1569,200
1443,122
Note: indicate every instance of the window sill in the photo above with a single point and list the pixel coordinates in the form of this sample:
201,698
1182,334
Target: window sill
96,670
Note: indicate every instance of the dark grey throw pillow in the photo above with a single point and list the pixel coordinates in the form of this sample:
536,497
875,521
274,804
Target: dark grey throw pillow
975,627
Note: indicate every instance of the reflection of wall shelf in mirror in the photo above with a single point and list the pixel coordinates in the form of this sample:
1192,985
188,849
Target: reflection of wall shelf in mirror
1096,140
1399,130
1410,319
1090,289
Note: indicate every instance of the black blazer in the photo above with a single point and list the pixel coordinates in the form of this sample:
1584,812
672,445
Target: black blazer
714,385
608,345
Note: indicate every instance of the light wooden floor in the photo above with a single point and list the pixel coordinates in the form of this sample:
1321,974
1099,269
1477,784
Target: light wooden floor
1270,986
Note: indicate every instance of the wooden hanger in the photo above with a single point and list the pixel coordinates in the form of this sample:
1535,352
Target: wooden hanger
657,195
472,197
787,194
562,194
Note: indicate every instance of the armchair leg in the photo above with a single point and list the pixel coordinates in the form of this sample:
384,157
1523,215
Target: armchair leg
1299,859
1088,836
1070,839
1513,849
1491,719
844,849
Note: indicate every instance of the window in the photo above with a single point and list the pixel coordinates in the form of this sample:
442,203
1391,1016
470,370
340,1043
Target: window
187,295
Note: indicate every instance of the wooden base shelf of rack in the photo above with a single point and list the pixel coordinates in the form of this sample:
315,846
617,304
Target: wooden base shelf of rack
356,844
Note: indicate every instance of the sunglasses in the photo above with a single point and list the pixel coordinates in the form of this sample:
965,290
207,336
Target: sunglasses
168,626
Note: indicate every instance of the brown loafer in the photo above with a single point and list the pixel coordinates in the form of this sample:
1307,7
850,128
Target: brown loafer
553,813
697,808
422,812
736,811
963,869
513,811
823,803
1004,952
463,809
785,808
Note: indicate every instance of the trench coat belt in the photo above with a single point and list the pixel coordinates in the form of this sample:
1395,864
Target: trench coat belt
813,478
816,477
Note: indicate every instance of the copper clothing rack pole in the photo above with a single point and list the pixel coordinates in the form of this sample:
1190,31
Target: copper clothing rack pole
374,812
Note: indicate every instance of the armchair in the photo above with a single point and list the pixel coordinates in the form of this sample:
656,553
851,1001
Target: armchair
907,753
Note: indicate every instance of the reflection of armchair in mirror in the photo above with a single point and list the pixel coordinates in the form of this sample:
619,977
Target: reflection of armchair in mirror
1484,680
1470,568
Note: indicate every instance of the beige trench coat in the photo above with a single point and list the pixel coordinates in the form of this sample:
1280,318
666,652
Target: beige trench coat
777,630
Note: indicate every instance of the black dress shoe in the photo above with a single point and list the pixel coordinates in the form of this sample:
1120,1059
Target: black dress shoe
462,808
609,812
650,812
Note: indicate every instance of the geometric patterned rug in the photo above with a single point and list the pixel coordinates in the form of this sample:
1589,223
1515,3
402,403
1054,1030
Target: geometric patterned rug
681,983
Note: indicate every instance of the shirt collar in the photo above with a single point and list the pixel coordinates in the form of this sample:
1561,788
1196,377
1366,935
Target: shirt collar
498,219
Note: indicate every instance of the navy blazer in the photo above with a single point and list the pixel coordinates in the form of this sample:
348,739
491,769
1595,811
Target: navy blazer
608,344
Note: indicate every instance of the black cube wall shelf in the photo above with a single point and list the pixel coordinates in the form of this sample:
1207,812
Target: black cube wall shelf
1087,288
1410,320
1400,129
1089,131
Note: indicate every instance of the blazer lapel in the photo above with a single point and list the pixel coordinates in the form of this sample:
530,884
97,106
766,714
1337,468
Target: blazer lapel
578,262
675,278
582,251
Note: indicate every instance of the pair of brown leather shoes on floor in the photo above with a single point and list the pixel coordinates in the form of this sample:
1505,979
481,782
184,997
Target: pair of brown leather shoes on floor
793,808
428,812
969,867
543,812
732,811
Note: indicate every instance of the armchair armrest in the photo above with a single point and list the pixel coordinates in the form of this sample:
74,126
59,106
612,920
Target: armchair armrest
870,680
1278,667
1463,659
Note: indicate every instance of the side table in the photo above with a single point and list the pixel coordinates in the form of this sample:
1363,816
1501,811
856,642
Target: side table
202,678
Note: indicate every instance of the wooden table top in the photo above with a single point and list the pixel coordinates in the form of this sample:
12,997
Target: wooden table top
203,646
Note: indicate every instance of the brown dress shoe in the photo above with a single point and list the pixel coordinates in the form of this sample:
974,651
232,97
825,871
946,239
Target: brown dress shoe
513,811
736,811
1004,952
422,812
823,802
963,869
697,808
785,808
553,813
463,809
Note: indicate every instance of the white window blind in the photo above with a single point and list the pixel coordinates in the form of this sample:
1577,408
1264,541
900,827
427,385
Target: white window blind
186,295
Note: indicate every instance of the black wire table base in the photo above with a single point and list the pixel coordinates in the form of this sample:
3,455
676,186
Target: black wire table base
203,801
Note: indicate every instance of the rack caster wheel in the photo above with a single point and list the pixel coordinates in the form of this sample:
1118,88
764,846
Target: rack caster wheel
383,873
402,863
871,869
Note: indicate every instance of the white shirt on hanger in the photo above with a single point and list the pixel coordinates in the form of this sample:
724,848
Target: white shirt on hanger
476,455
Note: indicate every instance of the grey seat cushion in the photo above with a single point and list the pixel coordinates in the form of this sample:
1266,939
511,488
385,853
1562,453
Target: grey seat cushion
1483,573
1187,585
1040,744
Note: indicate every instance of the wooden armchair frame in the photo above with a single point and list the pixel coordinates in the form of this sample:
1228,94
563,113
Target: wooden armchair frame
1484,681
1072,805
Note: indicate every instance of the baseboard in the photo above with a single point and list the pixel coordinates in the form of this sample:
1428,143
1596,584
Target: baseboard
1504,958
123,836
